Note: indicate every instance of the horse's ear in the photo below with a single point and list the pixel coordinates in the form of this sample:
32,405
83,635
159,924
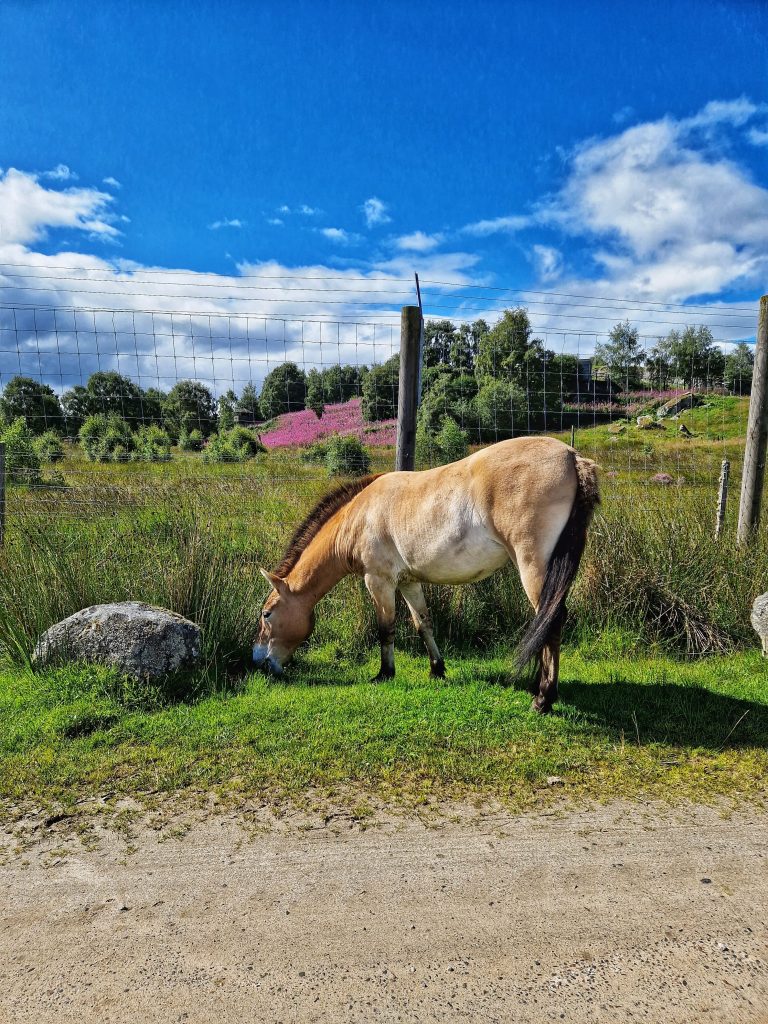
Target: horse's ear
277,582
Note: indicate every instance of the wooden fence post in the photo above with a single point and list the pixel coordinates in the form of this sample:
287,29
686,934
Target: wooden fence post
573,436
753,473
408,395
2,493
722,497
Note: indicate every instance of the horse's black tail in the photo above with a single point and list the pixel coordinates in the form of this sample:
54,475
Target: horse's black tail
563,565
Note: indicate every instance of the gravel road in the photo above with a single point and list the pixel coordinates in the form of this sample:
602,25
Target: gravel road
625,913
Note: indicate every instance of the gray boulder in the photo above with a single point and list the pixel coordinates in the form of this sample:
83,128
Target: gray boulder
760,620
137,639
688,400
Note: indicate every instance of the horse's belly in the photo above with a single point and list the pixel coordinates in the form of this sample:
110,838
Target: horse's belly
463,558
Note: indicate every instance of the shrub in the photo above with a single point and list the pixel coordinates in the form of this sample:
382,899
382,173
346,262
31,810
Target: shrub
49,447
315,454
452,441
22,462
106,438
236,445
346,456
191,440
152,444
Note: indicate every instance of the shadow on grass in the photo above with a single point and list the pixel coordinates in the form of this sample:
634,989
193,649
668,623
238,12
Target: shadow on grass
689,716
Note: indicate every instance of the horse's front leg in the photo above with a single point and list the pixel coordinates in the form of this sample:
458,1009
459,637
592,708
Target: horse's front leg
382,591
422,620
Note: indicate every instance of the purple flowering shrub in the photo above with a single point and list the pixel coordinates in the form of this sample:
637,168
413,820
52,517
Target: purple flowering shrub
300,429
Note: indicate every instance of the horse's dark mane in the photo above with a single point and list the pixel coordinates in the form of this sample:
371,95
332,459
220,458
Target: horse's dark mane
317,518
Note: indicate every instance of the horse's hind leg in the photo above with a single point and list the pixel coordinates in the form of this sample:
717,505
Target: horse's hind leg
382,593
544,684
422,620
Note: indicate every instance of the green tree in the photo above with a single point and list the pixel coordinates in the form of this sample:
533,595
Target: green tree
284,390
380,391
22,461
697,361
109,392
501,351
452,440
152,406
34,402
227,408
465,345
502,410
106,438
739,366
440,336
622,356
189,405
315,397
76,408
248,409
340,383
346,456
659,365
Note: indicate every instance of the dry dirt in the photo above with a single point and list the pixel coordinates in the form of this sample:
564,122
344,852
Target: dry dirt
625,913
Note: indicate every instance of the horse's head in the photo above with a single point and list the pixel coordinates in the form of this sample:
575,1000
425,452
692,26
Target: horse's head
287,619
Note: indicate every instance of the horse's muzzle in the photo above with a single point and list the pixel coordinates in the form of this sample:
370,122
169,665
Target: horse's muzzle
262,660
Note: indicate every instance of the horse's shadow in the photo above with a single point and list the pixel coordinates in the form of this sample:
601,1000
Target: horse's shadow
673,714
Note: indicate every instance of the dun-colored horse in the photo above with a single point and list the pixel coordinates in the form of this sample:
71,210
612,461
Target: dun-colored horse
529,500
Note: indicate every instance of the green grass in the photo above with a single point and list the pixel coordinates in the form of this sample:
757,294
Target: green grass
625,727
643,713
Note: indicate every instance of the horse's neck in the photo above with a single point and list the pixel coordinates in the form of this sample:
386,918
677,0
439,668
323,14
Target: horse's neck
319,568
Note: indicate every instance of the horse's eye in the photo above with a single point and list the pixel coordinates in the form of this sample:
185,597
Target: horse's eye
266,615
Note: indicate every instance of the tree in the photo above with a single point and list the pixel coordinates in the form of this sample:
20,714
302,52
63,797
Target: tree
152,406
248,409
696,360
111,392
659,365
465,345
284,390
501,351
502,410
226,408
33,402
189,405
739,366
380,390
315,399
622,356
340,383
439,338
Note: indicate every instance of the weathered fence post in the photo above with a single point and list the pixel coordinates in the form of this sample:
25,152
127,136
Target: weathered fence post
408,396
753,473
722,496
2,493
573,436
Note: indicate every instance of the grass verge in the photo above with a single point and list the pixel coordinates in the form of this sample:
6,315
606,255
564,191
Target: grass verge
624,728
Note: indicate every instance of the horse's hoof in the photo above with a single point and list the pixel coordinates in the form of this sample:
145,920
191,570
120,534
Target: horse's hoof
437,671
540,707
383,677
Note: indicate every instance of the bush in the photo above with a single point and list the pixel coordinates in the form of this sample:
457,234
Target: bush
236,445
152,444
452,441
191,440
315,454
346,456
22,462
106,438
49,447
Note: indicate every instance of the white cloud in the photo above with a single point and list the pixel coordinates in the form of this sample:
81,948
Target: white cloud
112,182
375,212
548,262
28,209
309,211
418,241
672,219
497,225
758,136
340,235
283,209
717,112
59,173
226,223
275,221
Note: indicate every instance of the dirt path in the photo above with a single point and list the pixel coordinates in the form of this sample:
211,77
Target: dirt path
616,915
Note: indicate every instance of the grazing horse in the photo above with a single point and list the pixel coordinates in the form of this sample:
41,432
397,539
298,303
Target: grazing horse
528,500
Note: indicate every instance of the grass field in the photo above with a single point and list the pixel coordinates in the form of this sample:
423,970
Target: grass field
664,692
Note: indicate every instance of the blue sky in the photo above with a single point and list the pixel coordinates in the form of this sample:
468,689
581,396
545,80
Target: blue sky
616,149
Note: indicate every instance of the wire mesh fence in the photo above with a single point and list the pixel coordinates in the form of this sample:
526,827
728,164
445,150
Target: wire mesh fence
182,388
